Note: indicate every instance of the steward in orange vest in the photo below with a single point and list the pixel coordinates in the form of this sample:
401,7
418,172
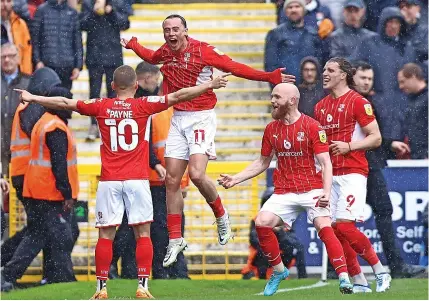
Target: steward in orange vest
50,188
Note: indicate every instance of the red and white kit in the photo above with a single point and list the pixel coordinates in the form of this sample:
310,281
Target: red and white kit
343,118
193,126
124,149
297,177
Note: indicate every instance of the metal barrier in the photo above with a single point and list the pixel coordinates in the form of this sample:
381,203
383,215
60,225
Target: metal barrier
206,258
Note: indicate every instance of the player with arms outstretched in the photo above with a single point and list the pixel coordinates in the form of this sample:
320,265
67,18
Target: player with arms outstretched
188,62
302,181
124,184
352,129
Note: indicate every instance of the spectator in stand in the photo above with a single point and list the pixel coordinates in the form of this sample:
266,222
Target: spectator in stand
15,31
417,31
11,78
377,195
317,16
57,40
343,41
374,9
20,7
287,44
412,82
386,52
310,88
103,49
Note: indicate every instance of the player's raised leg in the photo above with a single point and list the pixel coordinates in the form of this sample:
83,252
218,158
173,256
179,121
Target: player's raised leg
175,170
265,222
198,176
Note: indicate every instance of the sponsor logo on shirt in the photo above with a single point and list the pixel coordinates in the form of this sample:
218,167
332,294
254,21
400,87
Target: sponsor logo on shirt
331,126
160,99
341,107
329,118
290,154
368,109
287,144
89,101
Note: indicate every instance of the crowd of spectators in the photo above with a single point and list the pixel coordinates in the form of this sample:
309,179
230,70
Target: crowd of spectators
387,35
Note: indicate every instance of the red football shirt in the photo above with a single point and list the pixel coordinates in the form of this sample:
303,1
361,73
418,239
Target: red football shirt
194,66
343,119
124,128
295,147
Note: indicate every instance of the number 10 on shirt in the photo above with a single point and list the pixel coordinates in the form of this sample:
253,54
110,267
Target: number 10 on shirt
117,134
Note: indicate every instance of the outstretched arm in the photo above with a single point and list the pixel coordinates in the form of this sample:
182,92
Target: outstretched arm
54,102
144,53
255,168
221,61
186,94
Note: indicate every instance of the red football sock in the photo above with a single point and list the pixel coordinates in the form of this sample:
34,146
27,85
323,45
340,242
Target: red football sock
144,256
269,244
334,249
174,225
353,266
359,242
103,258
217,207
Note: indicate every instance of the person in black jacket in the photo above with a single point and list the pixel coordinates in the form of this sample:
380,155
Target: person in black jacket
103,48
377,193
343,40
57,40
412,83
310,88
41,218
417,30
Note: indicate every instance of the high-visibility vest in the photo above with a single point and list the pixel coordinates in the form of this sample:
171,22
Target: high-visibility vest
160,128
39,181
19,145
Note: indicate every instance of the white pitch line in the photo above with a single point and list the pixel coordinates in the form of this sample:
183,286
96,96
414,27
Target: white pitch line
306,287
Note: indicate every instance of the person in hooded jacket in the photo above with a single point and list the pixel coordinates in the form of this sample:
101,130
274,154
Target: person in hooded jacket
50,189
25,118
310,88
387,52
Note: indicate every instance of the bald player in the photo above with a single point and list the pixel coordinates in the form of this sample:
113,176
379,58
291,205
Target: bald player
302,181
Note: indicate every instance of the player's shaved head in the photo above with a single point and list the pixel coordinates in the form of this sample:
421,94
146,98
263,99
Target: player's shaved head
284,100
124,78
288,91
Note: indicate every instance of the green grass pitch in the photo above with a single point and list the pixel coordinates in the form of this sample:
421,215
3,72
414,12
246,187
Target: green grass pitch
407,289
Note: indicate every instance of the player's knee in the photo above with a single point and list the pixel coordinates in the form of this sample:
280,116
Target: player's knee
197,176
172,182
264,220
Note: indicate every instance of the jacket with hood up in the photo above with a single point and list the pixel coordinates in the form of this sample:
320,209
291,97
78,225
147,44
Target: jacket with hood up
387,55
310,94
